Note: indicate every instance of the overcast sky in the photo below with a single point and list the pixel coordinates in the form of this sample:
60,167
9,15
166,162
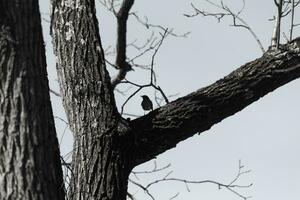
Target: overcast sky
264,136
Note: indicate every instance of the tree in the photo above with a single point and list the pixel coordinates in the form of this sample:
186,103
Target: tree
108,146
29,156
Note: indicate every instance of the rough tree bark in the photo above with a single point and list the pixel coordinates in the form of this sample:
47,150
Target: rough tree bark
103,145
106,146
29,156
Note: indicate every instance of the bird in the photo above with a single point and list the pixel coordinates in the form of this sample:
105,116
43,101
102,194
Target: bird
146,103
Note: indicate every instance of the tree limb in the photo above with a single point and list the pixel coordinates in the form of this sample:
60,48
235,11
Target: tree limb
164,127
121,62
276,33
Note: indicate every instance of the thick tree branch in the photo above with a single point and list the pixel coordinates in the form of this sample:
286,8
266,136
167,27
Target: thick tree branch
164,127
121,62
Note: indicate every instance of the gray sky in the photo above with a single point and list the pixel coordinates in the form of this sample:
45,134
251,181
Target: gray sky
264,136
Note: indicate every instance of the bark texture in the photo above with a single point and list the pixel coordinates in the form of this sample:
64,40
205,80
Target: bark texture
29,155
101,157
107,146
163,128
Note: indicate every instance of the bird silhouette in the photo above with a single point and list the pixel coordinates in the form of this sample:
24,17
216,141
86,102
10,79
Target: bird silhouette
146,103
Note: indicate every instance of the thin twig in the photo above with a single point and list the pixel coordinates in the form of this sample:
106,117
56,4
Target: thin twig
55,93
226,11
231,186
152,76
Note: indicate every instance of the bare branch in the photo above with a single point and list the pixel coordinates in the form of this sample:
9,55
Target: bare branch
55,93
226,11
231,186
143,188
121,62
293,24
292,19
110,5
148,25
276,33
149,42
158,99
173,197
163,36
130,196
152,75
178,120
154,170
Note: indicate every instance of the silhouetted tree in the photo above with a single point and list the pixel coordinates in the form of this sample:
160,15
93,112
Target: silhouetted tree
106,146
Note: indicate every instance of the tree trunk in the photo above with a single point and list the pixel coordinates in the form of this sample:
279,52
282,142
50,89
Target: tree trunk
101,158
29,154
106,146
